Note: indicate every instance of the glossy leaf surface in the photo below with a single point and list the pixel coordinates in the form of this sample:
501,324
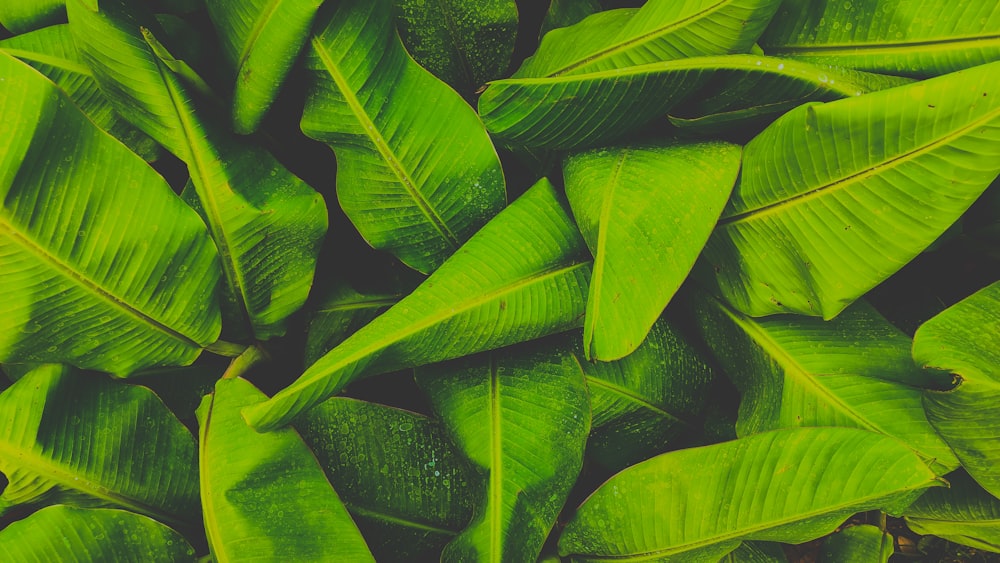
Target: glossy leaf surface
963,513
416,176
789,485
95,272
857,544
835,197
264,495
522,276
522,416
20,16
645,212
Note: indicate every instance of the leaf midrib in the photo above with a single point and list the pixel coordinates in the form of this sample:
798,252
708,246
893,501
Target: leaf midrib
49,60
918,46
382,146
463,57
495,500
628,394
89,285
212,528
373,303
255,32
401,521
600,254
852,179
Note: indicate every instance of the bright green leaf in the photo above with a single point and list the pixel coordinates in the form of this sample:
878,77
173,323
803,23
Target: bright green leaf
645,212
340,313
790,485
416,171
264,495
20,16
522,276
836,197
963,513
522,416
102,265
857,544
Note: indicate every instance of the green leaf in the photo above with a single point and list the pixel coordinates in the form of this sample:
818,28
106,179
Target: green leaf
264,495
407,486
87,435
261,39
964,340
645,212
963,513
416,171
644,401
52,52
462,43
836,197
521,415
64,533
857,544
564,13
341,311
96,271
661,30
853,371
756,552
790,485
585,109
522,276
20,16
908,37
267,223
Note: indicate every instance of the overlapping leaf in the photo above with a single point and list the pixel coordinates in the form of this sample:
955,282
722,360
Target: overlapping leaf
523,276
857,544
564,13
267,223
964,340
264,495
645,212
20,16
101,265
261,39
416,171
790,485
906,37
963,513
522,416
853,371
82,434
836,197
408,487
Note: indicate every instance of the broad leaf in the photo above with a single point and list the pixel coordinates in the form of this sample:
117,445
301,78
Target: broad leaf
584,109
646,400
661,30
963,513
564,13
101,265
407,486
645,212
523,276
267,223
52,52
964,340
416,171
857,544
853,371
835,197
260,41
521,415
87,435
462,43
20,16
791,485
340,313
756,552
264,495
907,37
64,533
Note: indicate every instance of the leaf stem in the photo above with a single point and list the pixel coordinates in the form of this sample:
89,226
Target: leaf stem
241,364
227,349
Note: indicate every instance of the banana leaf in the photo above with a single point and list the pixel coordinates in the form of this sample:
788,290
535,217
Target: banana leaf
463,43
20,16
579,110
857,544
963,513
836,197
408,487
522,416
853,371
264,495
756,552
64,533
96,272
260,39
267,223
790,485
522,276
918,38
964,341
564,13
83,435
416,172
645,212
